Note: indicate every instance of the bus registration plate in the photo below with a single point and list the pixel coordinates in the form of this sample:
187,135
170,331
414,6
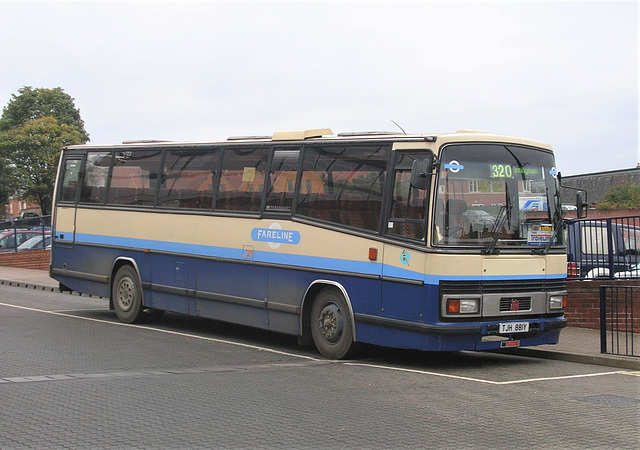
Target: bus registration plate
514,327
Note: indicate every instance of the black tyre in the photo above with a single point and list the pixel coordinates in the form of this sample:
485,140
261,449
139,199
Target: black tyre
332,325
126,294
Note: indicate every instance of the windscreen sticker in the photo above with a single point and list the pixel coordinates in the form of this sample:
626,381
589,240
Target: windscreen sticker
553,172
275,235
454,166
539,234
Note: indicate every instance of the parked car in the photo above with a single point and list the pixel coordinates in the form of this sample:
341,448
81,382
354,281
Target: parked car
11,239
39,242
27,219
600,248
633,272
479,219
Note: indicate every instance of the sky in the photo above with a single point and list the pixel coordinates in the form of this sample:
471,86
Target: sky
564,73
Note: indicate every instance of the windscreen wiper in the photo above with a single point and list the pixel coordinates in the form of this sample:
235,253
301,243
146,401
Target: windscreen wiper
557,224
490,249
503,216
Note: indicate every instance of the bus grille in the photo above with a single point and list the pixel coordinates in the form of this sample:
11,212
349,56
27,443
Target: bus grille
515,304
448,287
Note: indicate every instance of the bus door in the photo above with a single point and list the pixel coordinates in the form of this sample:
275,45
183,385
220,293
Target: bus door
64,214
404,261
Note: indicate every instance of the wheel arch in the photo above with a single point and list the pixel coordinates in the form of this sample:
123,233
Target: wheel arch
117,264
307,302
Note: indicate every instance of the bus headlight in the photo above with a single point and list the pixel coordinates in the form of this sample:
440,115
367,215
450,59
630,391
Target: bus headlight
557,302
463,306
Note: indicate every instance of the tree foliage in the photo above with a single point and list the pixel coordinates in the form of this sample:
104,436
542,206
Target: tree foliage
31,104
621,197
6,182
34,150
34,126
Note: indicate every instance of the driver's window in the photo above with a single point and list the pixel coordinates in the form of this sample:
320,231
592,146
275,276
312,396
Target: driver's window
407,217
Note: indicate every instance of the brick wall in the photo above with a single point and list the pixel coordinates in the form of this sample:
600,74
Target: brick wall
33,259
583,309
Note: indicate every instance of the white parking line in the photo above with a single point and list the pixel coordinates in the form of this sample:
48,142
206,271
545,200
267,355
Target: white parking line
480,380
175,333
294,355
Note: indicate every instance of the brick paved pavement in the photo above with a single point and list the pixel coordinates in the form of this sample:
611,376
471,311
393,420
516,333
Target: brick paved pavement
72,376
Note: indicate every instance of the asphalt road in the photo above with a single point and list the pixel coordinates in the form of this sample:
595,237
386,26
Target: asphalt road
72,376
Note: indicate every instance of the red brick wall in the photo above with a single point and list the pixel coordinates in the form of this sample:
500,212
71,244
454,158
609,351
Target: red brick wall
33,259
583,309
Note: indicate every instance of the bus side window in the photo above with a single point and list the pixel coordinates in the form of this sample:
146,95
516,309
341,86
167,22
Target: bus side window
408,204
96,172
282,180
344,185
70,175
188,178
242,179
134,177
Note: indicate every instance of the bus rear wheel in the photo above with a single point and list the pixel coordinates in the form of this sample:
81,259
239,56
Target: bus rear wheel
126,294
331,325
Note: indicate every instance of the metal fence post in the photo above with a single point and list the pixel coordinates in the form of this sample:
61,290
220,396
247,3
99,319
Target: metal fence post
603,319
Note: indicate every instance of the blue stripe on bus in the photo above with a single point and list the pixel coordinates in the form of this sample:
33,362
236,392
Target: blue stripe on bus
312,262
369,268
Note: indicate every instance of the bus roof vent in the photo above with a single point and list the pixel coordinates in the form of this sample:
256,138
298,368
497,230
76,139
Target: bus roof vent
298,135
247,138
367,133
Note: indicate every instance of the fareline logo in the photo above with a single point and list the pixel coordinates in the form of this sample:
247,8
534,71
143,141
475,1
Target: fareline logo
275,235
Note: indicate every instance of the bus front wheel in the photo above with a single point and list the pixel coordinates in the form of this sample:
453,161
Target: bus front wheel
127,295
331,325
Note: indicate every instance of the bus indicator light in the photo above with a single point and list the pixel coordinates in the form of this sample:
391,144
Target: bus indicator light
373,253
463,306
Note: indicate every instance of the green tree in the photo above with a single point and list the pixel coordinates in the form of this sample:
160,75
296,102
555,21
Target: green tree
34,126
31,104
621,197
6,182
34,151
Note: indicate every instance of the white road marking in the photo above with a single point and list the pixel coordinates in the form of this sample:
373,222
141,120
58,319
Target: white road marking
175,333
480,380
294,355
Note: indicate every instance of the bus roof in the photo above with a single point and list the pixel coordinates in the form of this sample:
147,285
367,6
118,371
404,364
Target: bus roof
429,140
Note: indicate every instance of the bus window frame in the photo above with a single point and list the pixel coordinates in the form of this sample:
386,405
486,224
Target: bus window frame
71,157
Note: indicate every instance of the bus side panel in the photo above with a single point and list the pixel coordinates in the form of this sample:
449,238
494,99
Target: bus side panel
238,290
88,267
172,272
404,301
286,291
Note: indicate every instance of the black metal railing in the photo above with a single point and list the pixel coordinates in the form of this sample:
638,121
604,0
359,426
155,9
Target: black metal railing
603,248
16,232
620,320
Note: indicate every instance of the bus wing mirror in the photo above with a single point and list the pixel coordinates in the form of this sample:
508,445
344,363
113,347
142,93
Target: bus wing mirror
581,204
421,173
